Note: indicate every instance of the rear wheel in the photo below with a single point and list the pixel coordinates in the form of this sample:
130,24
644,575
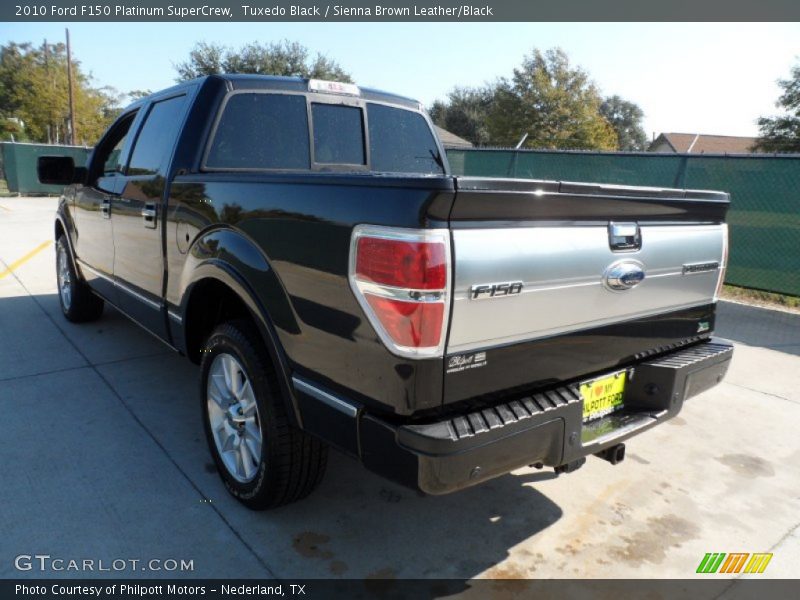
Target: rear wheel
262,458
78,303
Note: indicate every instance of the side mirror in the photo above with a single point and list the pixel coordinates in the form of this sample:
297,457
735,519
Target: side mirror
59,170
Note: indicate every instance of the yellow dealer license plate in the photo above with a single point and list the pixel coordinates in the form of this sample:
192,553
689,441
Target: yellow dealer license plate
603,396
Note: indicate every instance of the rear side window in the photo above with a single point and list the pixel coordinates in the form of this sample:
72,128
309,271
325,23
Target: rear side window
261,131
400,141
157,137
338,134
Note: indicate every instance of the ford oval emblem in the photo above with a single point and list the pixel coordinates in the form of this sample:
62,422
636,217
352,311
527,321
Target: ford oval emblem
623,275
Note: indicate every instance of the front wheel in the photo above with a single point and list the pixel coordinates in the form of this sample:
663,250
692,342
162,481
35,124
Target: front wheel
78,303
262,458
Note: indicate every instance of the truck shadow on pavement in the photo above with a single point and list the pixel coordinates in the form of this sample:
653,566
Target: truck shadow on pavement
142,402
773,329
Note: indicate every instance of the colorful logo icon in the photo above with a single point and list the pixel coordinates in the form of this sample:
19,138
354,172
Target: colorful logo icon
735,562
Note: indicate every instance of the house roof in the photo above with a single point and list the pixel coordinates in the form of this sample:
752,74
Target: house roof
701,143
451,140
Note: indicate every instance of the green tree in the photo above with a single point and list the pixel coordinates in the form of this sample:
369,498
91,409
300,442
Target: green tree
134,95
556,104
625,118
12,129
465,113
782,133
276,58
34,90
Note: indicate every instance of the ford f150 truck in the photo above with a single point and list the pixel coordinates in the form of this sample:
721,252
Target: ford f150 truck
304,242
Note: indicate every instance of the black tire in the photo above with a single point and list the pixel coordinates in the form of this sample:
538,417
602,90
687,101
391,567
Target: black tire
80,304
292,462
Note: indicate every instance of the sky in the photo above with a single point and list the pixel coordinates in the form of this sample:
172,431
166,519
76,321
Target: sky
687,77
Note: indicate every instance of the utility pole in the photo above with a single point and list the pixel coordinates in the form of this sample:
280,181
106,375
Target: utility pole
73,133
47,71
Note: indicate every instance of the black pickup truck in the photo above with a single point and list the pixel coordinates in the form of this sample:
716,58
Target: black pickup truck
305,243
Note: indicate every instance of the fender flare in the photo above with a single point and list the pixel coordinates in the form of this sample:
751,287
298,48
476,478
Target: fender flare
232,257
68,228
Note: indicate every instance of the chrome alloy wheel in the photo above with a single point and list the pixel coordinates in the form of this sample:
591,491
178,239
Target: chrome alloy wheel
233,416
64,276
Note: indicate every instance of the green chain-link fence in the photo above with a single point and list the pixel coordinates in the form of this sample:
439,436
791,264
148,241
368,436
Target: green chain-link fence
765,197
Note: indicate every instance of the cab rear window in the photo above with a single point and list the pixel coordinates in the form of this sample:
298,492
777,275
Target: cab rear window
261,131
338,134
400,141
270,131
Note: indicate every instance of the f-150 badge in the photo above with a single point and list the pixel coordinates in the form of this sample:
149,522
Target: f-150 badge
484,291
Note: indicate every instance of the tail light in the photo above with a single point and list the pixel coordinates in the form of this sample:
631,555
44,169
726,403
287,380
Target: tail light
401,278
723,265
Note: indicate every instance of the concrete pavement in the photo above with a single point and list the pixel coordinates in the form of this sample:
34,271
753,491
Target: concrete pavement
103,457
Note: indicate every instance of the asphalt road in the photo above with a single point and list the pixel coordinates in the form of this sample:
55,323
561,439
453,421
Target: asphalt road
103,457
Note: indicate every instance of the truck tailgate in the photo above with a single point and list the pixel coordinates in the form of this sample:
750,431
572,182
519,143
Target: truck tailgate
555,280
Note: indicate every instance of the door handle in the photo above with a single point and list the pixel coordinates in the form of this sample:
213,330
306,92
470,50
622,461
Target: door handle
624,236
105,207
149,213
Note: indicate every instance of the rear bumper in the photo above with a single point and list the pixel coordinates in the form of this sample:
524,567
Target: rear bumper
546,427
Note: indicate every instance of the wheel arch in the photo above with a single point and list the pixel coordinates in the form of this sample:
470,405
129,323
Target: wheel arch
62,228
227,277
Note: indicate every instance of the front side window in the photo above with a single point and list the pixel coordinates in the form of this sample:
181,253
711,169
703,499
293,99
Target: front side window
157,137
261,131
112,164
400,141
338,134
107,162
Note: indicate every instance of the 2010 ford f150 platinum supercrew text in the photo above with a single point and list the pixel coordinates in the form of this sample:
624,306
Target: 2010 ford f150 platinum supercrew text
304,242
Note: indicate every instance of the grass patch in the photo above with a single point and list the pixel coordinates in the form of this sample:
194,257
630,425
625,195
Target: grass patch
760,297
4,188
